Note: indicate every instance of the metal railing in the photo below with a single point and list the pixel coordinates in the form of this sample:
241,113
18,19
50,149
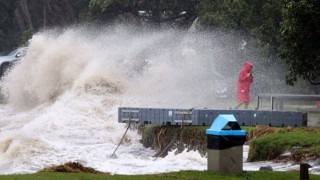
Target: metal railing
285,97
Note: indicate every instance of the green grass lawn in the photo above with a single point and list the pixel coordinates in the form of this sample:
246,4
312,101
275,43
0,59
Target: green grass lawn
201,175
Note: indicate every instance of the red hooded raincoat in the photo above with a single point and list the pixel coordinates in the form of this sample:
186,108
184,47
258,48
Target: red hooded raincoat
244,82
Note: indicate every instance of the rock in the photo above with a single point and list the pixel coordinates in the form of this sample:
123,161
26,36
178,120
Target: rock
265,168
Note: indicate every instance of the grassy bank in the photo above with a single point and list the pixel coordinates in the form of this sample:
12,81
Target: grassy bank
203,175
266,143
303,143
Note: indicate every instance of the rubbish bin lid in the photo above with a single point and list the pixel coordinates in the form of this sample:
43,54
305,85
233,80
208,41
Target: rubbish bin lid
226,132
217,127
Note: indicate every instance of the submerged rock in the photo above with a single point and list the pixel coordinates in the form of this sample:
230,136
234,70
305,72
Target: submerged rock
265,168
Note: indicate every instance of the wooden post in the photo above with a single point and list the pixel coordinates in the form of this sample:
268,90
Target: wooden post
304,171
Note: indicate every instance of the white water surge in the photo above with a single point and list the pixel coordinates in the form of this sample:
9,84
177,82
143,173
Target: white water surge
64,95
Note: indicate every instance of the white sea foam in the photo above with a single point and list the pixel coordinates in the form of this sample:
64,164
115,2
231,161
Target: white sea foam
64,95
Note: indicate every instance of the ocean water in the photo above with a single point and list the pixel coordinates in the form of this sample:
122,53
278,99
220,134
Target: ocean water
63,97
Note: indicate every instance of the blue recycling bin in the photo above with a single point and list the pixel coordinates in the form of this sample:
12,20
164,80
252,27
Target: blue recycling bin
220,137
225,141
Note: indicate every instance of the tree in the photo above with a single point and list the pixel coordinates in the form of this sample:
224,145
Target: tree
108,9
7,9
301,41
153,11
258,24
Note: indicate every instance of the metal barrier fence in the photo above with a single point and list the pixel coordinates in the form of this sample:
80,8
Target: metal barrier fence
281,98
205,117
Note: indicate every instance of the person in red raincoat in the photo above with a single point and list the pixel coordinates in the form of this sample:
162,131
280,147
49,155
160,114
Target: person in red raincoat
245,79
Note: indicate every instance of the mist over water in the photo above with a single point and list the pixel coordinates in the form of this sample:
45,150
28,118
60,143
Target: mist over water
63,96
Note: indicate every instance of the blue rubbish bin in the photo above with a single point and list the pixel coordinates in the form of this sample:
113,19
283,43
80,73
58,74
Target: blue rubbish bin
220,137
225,141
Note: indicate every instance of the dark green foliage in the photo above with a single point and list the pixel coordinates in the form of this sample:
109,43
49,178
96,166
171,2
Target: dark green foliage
26,36
7,9
108,9
301,40
224,14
